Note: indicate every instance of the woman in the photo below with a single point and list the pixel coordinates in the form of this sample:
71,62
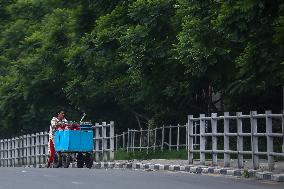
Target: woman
56,121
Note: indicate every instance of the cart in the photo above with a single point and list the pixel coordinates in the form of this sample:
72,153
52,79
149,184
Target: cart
74,143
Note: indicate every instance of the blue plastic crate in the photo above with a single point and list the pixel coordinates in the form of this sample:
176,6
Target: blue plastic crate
74,140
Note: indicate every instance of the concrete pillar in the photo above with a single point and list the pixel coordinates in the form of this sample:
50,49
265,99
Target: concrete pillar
214,139
254,140
226,140
202,139
240,140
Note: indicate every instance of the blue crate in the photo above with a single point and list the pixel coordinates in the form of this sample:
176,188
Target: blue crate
74,140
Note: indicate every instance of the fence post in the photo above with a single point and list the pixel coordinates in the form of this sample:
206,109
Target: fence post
17,151
202,139
111,133
1,165
170,139
37,146
178,138
190,139
240,140
41,145
163,136
148,140
195,132
46,138
97,142
155,142
5,153
28,150
116,140
283,131
123,141
9,152
140,139
269,140
104,142
23,152
226,140
34,141
12,152
186,136
1,152
33,146
254,140
128,138
133,140
41,138
24,141
214,139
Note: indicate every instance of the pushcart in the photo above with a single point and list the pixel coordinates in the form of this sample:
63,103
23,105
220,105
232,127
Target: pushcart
74,143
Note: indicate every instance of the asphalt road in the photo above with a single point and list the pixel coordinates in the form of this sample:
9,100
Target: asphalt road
35,178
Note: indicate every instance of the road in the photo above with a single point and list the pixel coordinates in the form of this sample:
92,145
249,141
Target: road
35,178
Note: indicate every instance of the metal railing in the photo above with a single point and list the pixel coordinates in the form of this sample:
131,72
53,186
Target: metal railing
165,137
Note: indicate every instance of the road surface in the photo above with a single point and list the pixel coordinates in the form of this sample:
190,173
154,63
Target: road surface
72,178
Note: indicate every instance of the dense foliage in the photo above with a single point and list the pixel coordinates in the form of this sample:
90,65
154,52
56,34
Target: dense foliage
140,63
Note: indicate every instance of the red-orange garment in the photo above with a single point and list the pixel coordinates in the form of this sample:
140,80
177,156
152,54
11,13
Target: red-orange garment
51,152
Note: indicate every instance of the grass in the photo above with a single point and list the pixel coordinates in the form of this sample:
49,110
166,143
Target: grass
143,155
166,154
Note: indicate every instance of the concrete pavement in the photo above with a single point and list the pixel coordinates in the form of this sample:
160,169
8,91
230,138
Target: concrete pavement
73,178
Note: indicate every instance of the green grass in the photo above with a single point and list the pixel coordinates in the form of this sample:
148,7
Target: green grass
166,154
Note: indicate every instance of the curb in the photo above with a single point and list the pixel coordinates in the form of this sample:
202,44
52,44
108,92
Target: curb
197,169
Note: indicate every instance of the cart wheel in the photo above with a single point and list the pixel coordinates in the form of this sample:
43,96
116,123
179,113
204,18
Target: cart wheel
88,160
66,159
57,160
80,160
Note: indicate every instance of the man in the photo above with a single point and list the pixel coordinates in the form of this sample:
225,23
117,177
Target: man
56,122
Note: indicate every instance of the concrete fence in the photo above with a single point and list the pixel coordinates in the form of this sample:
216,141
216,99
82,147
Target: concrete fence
24,150
214,137
104,141
32,149
263,138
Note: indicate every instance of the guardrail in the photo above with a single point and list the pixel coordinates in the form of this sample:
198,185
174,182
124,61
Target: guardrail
32,149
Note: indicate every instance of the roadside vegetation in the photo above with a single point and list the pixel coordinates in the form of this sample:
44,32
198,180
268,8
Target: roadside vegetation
158,154
140,63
